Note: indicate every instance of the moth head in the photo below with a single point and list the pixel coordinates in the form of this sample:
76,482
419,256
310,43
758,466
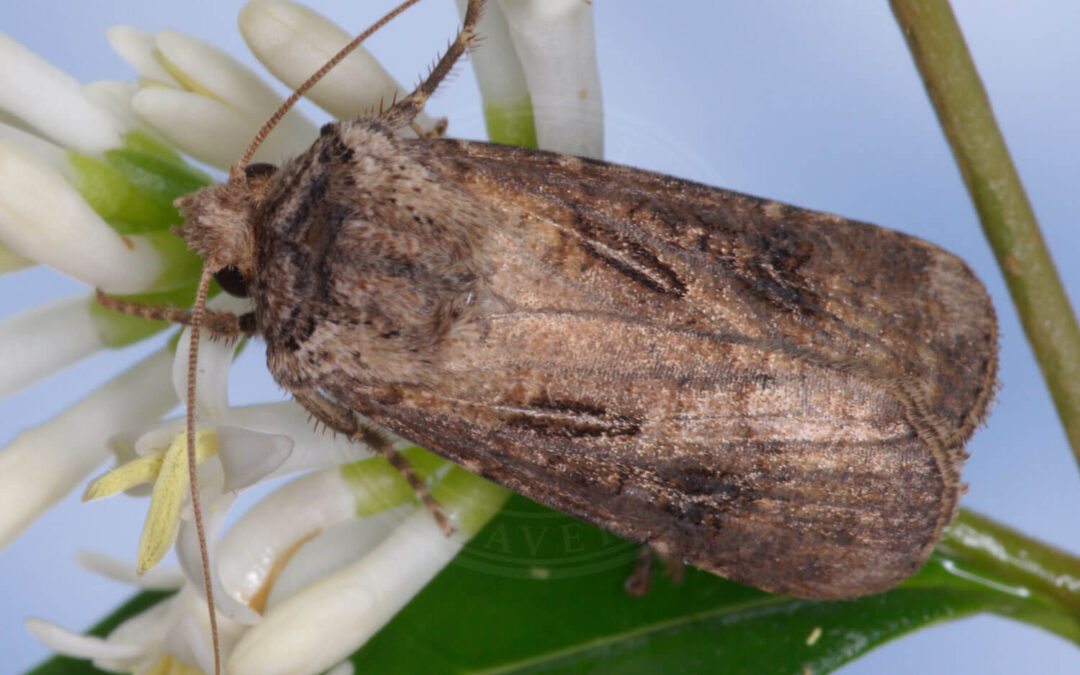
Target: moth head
218,221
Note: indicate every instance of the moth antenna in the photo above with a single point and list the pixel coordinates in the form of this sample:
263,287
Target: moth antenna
196,507
403,112
237,170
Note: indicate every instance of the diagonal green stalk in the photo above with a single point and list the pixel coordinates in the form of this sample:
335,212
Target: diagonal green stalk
1046,578
1008,221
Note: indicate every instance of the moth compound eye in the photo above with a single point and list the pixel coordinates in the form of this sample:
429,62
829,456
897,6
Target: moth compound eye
259,169
232,282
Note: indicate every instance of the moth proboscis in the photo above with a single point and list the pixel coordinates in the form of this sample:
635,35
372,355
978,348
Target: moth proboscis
776,395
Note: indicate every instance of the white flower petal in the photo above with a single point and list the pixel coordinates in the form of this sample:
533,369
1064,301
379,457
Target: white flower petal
124,571
48,152
249,456
13,121
45,339
495,61
159,435
341,545
81,646
115,97
206,129
555,43
138,48
319,626
180,627
43,464
51,101
249,552
187,642
148,627
10,262
190,557
43,218
293,42
209,130
312,450
343,668
215,357
205,69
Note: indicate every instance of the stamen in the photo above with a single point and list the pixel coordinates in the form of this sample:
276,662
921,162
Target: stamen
163,518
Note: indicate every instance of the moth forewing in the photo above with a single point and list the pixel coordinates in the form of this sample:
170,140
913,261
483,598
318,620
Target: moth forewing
708,373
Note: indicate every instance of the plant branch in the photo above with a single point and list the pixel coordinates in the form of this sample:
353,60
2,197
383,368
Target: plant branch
985,549
1008,221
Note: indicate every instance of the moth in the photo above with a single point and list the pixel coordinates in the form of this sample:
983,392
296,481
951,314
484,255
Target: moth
776,395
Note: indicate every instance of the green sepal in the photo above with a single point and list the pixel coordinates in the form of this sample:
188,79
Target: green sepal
143,142
511,123
159,178
379,486
182,265
113,197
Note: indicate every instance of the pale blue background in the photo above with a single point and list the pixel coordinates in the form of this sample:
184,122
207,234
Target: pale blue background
815,103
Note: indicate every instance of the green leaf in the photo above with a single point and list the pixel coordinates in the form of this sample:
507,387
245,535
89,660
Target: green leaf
536,591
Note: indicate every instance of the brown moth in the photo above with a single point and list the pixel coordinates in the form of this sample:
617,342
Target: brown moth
776,395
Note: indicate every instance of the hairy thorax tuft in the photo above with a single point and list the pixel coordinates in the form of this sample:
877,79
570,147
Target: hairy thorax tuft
218,222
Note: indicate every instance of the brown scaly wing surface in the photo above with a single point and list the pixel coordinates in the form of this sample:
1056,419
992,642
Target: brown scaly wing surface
794,388
773,394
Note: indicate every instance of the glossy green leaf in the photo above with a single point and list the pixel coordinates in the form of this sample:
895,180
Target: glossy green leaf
539,592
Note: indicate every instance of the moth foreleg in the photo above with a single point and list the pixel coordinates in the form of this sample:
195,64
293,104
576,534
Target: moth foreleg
219,324
404,111
339,418
437,130
639,582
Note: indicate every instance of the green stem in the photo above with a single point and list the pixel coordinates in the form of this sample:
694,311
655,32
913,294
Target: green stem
1008,221
1008,554
1047,578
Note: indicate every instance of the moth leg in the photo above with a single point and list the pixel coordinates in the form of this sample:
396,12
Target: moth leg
339,418
437,130
404,111
639,582
219,324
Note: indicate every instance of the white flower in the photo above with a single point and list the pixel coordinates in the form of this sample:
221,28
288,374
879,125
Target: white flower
289,576
43,218
52,103
43,464
204,101
293,42
344,547
554,42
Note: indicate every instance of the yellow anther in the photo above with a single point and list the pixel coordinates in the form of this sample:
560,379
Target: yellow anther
126,476
163,518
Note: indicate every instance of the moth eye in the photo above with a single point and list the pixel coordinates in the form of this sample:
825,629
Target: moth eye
232,282
259,169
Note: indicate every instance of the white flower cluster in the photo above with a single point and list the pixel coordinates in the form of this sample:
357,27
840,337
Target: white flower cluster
316,568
